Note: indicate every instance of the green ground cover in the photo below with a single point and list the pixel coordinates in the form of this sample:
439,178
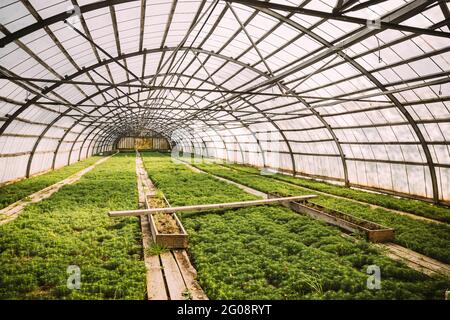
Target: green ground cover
270,252
428,238
21,189
72,228
421,208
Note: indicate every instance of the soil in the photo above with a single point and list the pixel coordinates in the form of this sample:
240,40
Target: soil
155,202
166,223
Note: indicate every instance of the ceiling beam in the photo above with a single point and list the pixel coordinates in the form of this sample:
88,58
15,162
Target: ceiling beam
342,5
57,18
334,16
360,6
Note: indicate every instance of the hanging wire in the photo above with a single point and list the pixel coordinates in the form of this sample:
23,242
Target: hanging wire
380,60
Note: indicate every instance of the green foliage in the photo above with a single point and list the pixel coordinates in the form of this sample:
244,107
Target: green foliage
182,186
270,252
417,207
72,228
428,238
186,294
155,249
22,189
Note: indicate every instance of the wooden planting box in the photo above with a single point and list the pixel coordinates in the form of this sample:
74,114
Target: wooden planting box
373,231
174,240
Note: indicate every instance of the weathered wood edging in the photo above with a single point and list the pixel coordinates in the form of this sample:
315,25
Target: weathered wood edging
170,275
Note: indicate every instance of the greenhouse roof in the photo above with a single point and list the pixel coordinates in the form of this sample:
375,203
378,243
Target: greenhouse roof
347,90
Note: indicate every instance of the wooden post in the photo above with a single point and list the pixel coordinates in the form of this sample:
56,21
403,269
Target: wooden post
206,207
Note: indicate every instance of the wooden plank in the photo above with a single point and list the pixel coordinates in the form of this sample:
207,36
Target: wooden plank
189,275
156,288
431,261
174,280
410,264
164,271
191,167
206,207
377,233
412,257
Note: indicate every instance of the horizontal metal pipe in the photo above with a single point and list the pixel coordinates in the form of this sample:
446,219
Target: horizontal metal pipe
206,207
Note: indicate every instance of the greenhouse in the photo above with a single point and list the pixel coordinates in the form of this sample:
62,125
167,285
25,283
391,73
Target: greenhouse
224,150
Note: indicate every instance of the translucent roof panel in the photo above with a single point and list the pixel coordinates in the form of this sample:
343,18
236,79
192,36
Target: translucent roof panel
310,87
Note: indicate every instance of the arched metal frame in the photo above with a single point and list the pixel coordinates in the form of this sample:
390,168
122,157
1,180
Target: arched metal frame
93,67
101,137
107,102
